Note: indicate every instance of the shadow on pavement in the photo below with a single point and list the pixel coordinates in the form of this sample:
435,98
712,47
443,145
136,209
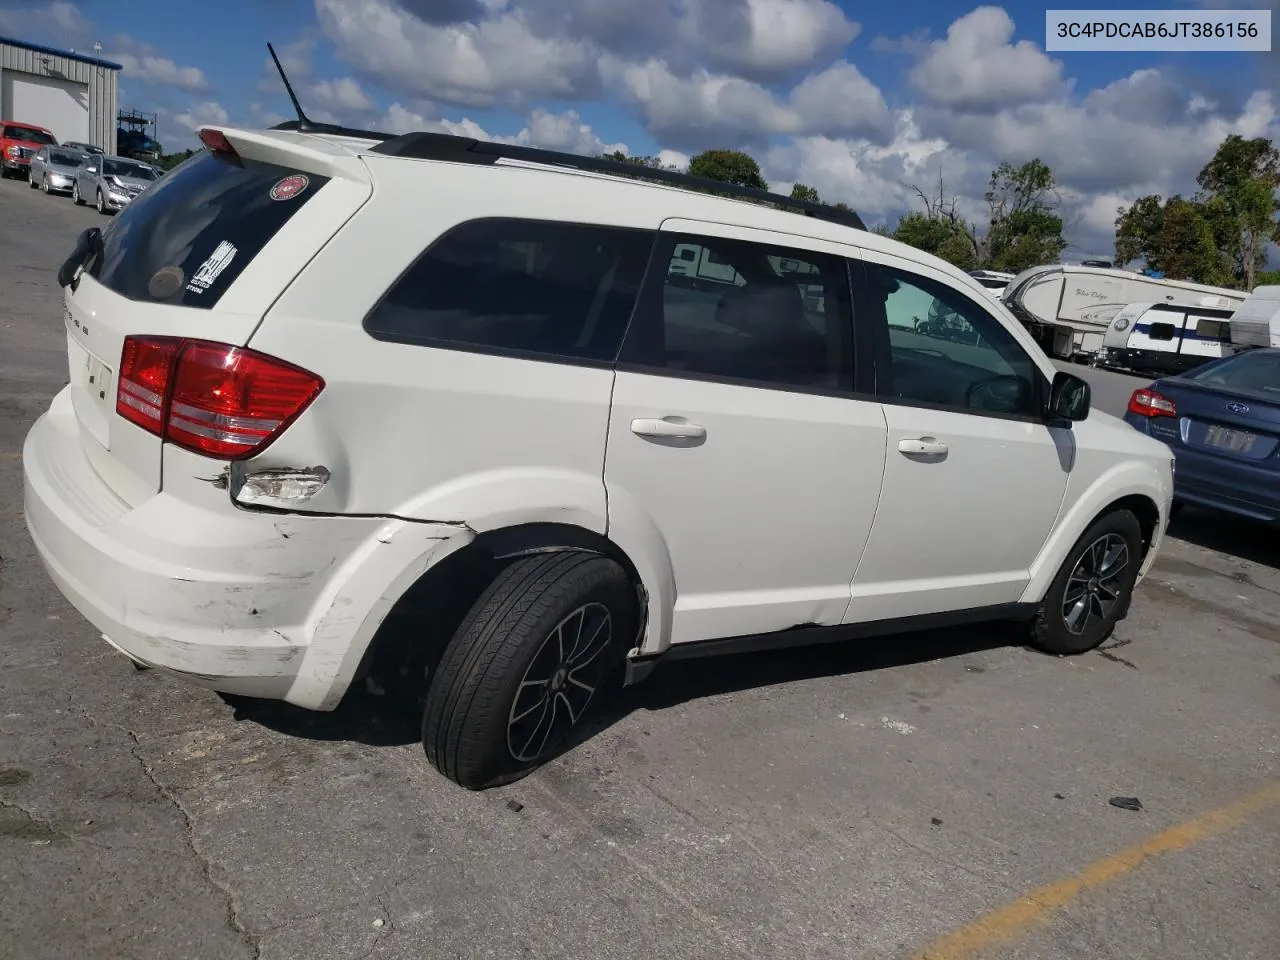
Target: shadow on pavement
376,721
1246,539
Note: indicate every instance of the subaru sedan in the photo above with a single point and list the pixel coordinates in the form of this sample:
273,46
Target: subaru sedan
1222,421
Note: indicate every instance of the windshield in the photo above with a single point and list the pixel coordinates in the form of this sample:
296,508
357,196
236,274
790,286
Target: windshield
122,168
27,134
62,159
1252,371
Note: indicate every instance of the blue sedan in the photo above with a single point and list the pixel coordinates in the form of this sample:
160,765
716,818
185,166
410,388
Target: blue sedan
1222,421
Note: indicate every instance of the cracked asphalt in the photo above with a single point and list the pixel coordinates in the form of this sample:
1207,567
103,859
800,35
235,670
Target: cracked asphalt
836,803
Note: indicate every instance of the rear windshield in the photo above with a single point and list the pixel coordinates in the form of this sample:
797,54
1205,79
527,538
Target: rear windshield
1249,372
185,239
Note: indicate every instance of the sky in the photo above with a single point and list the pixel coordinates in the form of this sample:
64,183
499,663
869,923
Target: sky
863,101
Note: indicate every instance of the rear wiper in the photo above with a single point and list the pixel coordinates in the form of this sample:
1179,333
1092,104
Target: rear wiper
88,244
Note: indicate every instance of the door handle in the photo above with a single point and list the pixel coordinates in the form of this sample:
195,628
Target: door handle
929,446
669,429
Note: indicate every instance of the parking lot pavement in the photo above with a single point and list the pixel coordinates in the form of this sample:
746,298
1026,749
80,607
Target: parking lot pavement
942,795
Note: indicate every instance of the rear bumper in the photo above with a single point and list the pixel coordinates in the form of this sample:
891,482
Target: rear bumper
1214,482
262,605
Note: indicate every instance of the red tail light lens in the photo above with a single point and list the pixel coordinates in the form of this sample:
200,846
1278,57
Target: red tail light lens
222,401
146,365
217,141
1148,403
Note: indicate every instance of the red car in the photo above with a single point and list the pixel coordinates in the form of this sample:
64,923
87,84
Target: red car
18,143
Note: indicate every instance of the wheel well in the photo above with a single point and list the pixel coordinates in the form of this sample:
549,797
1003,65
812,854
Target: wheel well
411,639
1144,509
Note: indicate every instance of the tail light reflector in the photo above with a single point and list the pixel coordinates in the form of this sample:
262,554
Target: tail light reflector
1148,403
211,398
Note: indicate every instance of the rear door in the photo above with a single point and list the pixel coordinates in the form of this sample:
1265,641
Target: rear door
201,254
736,432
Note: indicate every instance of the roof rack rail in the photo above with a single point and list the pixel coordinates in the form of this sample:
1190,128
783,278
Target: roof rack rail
445,146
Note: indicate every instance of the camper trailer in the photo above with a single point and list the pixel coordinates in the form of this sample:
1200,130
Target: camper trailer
995,281
1257,322
1160,338
1069,308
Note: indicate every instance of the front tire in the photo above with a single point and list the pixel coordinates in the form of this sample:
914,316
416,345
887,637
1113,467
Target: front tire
102,206
75,195
525,666
31,181
1092,591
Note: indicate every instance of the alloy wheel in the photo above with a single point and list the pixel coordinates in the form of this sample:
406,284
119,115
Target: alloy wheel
559,683
1093,589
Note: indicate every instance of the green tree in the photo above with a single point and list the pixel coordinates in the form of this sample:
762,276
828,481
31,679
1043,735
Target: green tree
653,163
728,166
1238,189
1268,278
1184,239
940,229
801,191
1024,229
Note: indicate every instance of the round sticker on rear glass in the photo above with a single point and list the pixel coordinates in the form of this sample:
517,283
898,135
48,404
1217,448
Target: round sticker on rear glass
289,187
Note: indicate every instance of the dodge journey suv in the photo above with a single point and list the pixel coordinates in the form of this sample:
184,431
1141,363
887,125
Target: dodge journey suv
560,422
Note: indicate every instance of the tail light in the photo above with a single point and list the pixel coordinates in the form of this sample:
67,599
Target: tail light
216,141
212,398
1148,403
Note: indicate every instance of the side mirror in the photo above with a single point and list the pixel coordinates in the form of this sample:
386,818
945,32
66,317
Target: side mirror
1069,398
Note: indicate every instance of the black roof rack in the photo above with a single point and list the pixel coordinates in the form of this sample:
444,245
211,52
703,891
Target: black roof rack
444,146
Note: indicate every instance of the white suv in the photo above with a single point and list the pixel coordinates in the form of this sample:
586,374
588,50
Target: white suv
562,422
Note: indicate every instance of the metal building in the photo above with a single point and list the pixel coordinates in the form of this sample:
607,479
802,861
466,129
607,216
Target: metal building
68,93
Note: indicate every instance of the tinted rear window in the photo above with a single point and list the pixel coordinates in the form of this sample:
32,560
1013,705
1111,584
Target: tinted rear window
185,239
1249,371
528,286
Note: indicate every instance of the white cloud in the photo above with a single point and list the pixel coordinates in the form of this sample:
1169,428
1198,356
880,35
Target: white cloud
473,64
977,68
161,71
550,131
699,109
202,114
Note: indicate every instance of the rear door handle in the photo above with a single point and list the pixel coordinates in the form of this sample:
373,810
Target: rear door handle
676,430
922,445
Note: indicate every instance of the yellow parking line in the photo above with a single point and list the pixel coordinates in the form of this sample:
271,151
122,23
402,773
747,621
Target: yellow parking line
10,453
1010,922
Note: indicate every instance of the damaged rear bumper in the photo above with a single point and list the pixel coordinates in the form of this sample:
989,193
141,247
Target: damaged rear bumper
263,605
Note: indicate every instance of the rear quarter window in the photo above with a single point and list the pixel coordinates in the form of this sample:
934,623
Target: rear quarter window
186,237
527,287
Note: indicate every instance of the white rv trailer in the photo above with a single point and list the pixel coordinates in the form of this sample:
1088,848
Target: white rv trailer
1162,338
995,281
1257,322
1068,308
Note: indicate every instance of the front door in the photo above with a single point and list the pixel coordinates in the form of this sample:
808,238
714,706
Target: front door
737,446
974,479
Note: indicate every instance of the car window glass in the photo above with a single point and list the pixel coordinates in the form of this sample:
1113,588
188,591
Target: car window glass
944,349
732,309
1249,371
532,286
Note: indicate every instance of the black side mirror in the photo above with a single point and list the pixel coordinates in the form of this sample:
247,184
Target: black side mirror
1069,398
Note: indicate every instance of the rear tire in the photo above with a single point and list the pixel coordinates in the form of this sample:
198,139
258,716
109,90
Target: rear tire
526,665
1092,591
31,181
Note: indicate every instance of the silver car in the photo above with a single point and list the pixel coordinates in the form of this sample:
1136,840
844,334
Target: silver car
110,183
54,168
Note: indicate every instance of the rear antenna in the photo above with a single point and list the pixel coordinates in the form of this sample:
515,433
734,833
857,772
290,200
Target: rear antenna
304,125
